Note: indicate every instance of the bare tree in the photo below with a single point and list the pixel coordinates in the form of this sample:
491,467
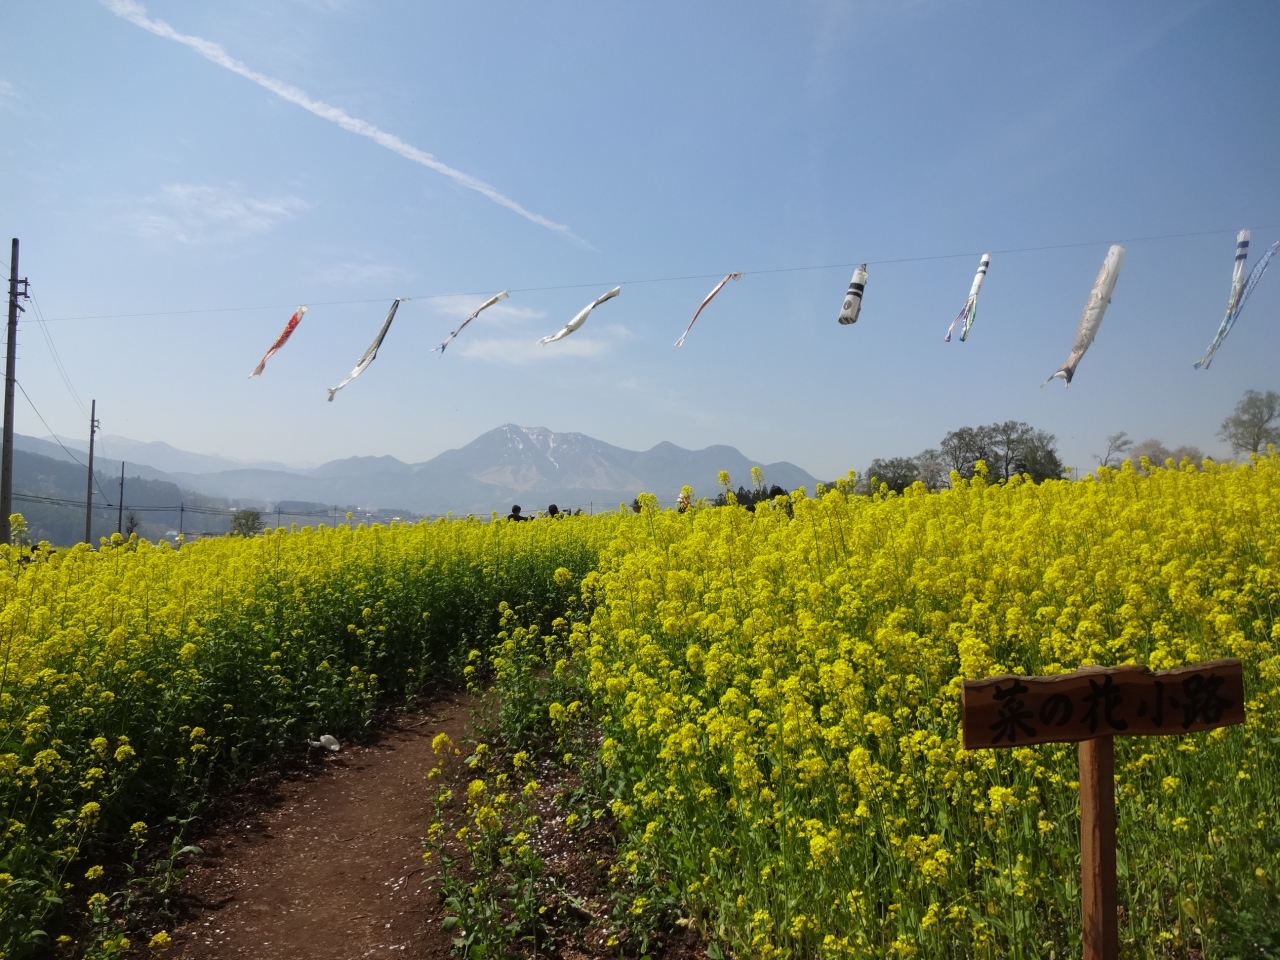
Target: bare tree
1007,442
963,448
1117,445
898,472
131,523
1249,428
1155,451
932,472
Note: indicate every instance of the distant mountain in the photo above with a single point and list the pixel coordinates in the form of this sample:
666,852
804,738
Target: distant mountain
164,457
510,464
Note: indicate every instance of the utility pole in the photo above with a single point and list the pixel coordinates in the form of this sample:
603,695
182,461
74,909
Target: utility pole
88,490
120,506
6,456
182,512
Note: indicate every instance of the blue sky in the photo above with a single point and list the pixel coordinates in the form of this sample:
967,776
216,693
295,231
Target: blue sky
672,140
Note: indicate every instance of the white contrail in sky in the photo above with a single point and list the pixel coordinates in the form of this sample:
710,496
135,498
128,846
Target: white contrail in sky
136,14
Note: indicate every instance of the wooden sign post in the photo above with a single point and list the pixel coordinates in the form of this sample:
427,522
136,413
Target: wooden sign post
1092,705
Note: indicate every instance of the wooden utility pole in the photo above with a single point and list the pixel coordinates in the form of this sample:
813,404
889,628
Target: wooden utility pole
88,490
120,505
6,456
1091,706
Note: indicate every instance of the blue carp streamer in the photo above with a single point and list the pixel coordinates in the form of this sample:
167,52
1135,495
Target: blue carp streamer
1240,290
969,312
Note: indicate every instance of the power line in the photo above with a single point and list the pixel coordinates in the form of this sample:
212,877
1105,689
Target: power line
57,359
46,424
60,443
695,276
188,508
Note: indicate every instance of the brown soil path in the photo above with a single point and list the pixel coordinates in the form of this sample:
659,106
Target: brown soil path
332,869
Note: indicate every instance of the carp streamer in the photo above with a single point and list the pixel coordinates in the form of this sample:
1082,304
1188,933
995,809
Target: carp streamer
1240,290
719,287
1094,310
970,311
372,352
853,298
484,306
280,340
581,318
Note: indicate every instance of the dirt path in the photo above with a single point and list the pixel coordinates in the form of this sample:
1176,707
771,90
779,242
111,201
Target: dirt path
332,870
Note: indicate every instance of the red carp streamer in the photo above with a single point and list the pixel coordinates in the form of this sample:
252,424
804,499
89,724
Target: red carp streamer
719,287
280,340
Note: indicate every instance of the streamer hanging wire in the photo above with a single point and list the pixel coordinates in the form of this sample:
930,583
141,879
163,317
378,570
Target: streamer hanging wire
969,313
1094,309
280,340
372,351
719,287
1240,290
853,299
484,306
581,318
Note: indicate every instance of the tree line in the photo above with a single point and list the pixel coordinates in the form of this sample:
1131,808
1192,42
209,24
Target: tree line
1015,447
1008,448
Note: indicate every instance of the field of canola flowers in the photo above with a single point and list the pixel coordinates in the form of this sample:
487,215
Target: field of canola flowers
136,678
780,695
772,698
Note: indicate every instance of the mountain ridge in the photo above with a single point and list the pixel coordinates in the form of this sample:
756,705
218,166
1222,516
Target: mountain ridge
497,468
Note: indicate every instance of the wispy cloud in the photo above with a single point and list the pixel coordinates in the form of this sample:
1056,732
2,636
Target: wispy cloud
520,351
8,93
460,308
136,14
189,213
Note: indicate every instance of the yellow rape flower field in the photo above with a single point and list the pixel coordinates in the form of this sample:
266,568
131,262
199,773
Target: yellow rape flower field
769,700
136,679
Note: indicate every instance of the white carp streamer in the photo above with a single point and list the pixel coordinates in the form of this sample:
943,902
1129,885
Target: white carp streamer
484,306
719,287
1240,290
136,14
969,312
372,352
1094,310
284,335
581,318
853,298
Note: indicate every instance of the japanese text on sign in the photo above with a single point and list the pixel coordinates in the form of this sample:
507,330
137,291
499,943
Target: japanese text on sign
1011,711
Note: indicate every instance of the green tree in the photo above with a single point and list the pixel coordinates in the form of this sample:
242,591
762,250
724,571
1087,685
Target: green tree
1038,457
246,523
1250,427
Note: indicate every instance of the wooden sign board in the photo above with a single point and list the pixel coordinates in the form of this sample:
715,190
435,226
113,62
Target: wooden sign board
1093,705
1012,711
